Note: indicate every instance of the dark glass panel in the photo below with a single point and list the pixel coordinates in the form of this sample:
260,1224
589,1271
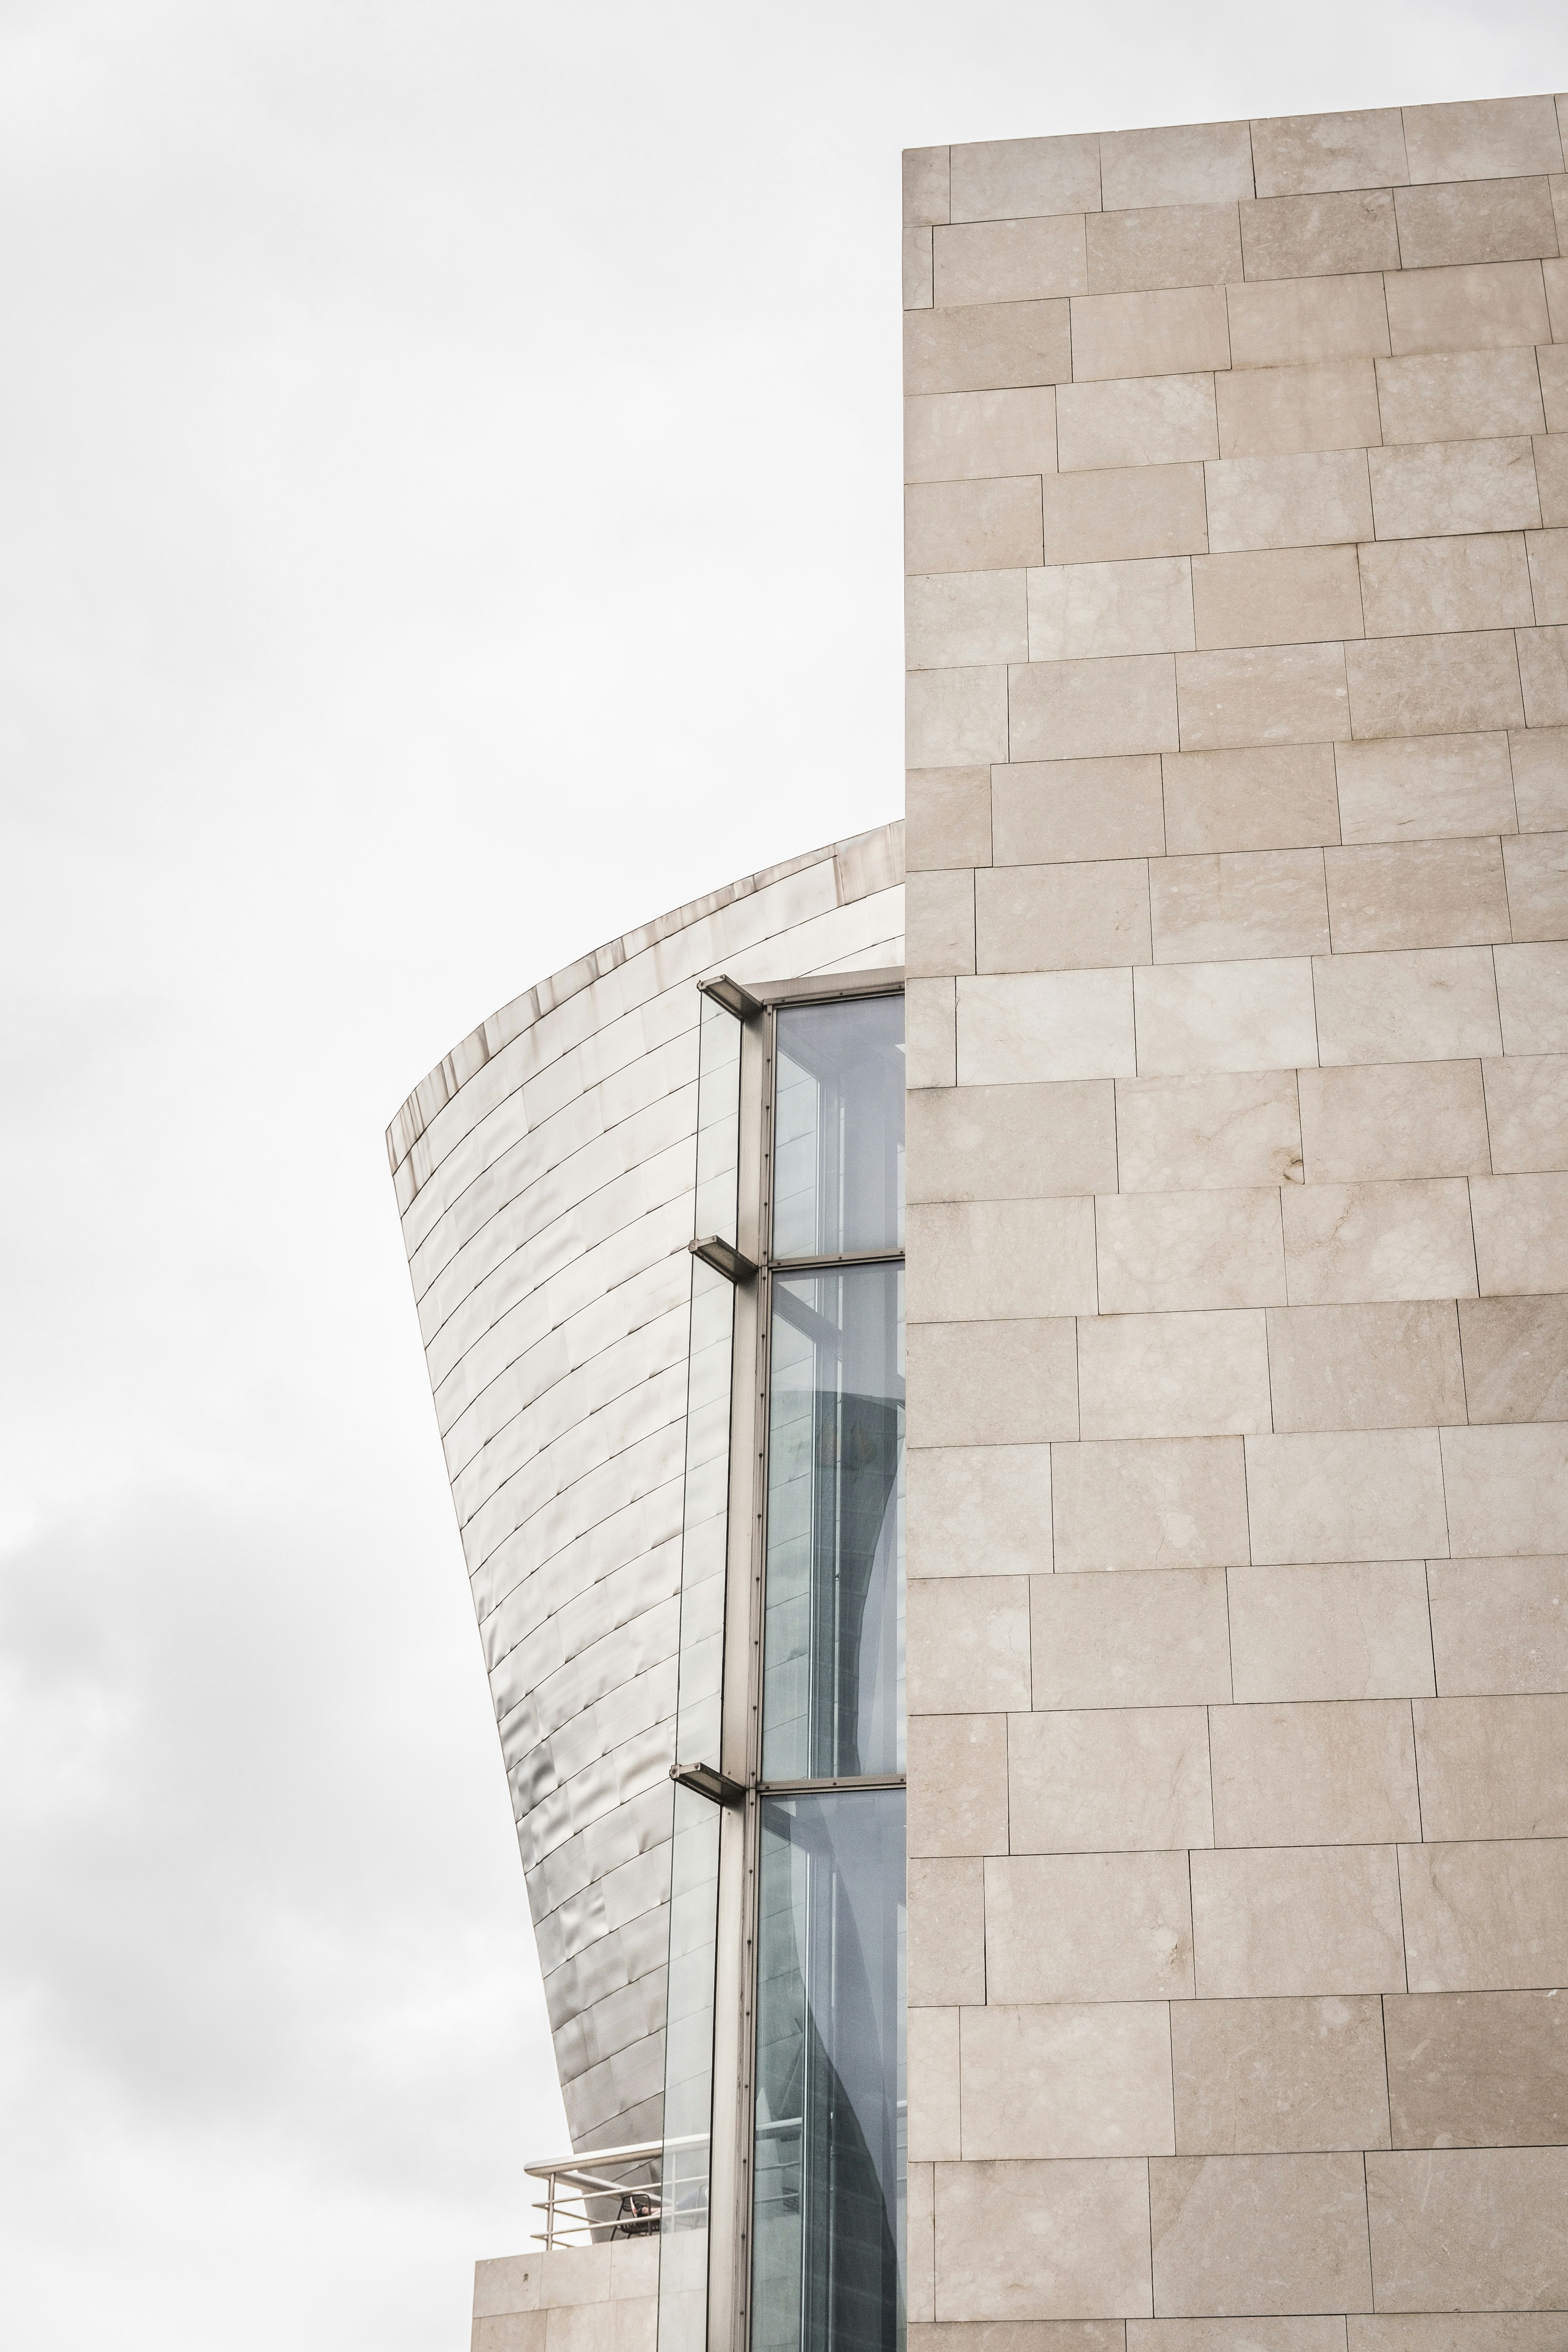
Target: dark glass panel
839,1134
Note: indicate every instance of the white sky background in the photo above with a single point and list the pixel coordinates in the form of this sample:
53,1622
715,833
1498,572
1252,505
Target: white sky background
450,514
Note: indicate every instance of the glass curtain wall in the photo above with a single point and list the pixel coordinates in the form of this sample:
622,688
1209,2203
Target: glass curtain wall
827,2173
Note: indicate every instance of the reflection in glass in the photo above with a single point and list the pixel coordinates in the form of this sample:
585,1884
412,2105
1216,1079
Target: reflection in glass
838,1149
828,2258
833,1642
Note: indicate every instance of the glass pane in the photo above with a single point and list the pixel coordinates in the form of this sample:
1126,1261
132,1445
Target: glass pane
833,1657
838,1139
829,2194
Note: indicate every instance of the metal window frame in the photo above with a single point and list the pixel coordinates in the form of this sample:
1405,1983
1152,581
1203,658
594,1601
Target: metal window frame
729,2251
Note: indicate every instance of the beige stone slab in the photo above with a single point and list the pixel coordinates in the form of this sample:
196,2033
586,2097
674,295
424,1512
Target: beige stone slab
946,1930
1248,903
1551,478
1310,155
1425,487
1482,139
1267,412
1433,1004
1106,709
1460,395
957,1785
1195,1134
1415,586
1032,918
1007,180
1085,609
1088,2078
968,1644
951,437
978,1510
1348,1495
1543,674
933,2113
947,818
1510,2331
1182,332
1285,693
940,917
999,1144
1012,179
1168,246
1061,811
1549,575
1360,1125
1017,1028
1452,685
1527,1109
1259,798
1486,1917
1008,260
1522,1238
1161,1251
1275,597
1356,1630
1475,307
1325,236
926,196
1469,2227
1306,322
1269,1922
1424,788
1124,512
1416,894
987,347
1307,1773
971,526
1276,2076
1489,220
1247,2234
1532,995
1042,2241
1507,1489
956,717
1006,1383
1173,1374
989,1261
1151,1639
1553,364
1108,1780
916,269
1252,2335
1311,500
960,620
1160,420
1361,1365
1191,164
1223,1016
1020,2335
1149,1503
1500,1624
1478,2070
1494,1767
920,2248
1093,1926
1539,760
1554,279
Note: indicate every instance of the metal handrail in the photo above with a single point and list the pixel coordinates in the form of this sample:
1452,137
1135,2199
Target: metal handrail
588,2199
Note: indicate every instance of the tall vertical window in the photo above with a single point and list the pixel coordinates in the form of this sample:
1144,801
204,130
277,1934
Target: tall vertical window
827,2149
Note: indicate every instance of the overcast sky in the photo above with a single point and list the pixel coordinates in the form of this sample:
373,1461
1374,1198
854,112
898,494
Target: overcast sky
450,514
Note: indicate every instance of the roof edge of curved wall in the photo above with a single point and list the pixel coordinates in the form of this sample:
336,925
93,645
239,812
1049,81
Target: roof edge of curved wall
864,862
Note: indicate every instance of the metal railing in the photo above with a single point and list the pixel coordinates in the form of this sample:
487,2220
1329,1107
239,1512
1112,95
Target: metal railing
619,2192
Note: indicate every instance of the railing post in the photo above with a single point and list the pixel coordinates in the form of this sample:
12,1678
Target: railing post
550,2214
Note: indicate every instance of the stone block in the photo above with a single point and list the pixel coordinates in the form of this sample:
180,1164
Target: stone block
1046,812
1277,2076
1108,1780
1312,154
1071,2080
1307,500
1167,332
1169,246
1193,1134
1150,1503
1008,260
946,1927
1478,2070
1516,1358
929,1038
1256,903
1425,487
940,913
1087,609
1543,674
1416,587
1224,1016
1307,321
1032,919
951,437
1449,684
1269,411
1357,1630
956,717
1259,798
978,1510
1014,179
1277,596
1350,1494
1293,1920
1016,1142
1091,710
1172,1374
1489,220
1191,164
1472,2228
1159,1251
1500,1624
1507,1489
1493,1766
971,526
1533,997
926,196
1424,788
1090,1926
1433,1004
1013,1028
947,818
1366,1125
989,1261
1522,1241
1124,512
1289,694
1306,1773
1259,2233
1160,420
932,2128
957,1785
987,347
1482,139
1361,1365
1479,306
1066,2240
1005,1383
1489,1917
963,620
1459,395
1416,894
1548,552
1527,1110
1326,236
1157,1638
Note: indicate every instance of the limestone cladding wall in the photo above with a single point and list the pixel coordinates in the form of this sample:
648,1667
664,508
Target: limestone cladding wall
1238,1233
577,2299
544,1175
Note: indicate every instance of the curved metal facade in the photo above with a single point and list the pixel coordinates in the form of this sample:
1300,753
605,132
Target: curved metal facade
544,1175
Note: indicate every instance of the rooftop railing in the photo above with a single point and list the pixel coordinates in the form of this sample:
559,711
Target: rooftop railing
620,2192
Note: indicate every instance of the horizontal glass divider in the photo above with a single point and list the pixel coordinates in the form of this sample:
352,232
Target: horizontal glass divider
786,1266
869,1781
